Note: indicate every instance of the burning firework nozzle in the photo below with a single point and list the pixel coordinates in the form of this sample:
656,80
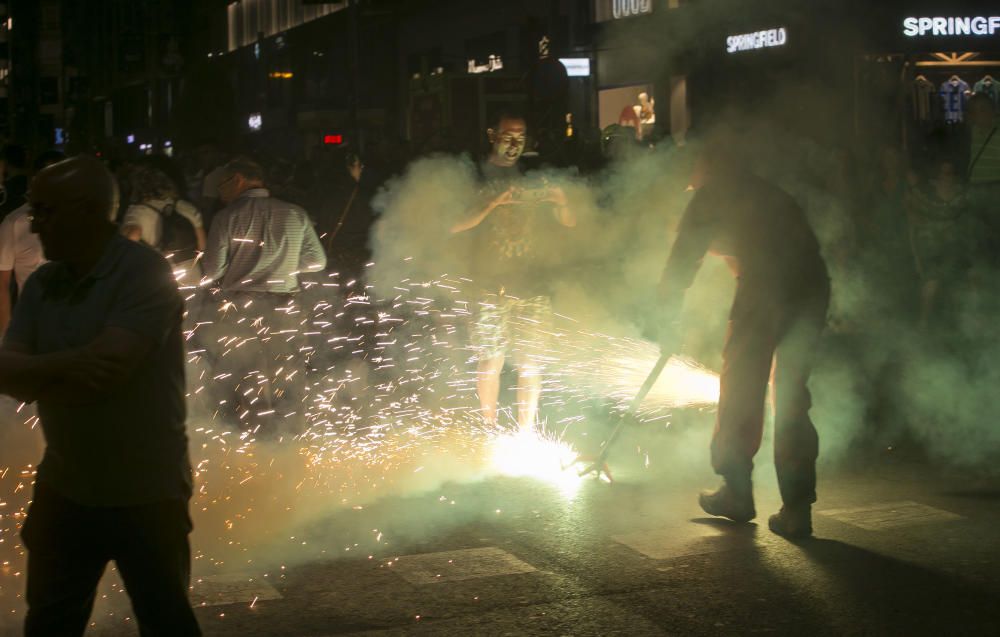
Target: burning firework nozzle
599,465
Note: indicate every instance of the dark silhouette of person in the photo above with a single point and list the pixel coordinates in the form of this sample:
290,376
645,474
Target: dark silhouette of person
777,317
96,340
344,216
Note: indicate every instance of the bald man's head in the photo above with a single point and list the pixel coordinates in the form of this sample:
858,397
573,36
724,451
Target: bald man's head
72,203
81,182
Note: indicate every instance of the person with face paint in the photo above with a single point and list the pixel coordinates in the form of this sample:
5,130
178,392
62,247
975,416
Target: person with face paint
514,310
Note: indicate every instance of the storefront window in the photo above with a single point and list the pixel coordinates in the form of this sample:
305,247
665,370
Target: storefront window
629,107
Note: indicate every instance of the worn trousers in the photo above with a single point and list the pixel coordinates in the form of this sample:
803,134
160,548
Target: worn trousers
774,338
69,546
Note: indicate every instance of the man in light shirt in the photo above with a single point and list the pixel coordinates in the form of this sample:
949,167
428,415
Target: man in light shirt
257,248
20,249
258,244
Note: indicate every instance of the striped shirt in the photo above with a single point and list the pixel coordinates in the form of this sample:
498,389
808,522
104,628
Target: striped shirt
261,244
985,169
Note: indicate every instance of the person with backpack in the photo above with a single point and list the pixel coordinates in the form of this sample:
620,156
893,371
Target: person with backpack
158,217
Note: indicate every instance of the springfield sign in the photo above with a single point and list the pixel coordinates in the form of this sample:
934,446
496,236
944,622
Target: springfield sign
978,25
757,40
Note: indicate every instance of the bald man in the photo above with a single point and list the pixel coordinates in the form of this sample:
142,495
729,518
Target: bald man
96,340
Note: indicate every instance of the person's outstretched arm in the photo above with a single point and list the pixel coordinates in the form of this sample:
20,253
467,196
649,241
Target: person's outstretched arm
694,235
477,217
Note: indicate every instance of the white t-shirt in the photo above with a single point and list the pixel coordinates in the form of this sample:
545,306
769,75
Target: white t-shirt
210,184
20,249
149,220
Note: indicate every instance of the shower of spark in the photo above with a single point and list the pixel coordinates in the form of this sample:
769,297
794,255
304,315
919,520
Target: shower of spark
338,398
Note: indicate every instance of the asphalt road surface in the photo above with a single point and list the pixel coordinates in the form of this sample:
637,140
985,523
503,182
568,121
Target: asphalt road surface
901,548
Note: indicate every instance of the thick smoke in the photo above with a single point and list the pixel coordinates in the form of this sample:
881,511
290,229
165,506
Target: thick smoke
878,382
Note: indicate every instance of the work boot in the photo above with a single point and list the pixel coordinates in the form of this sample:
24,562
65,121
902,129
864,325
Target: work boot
792,522
733,500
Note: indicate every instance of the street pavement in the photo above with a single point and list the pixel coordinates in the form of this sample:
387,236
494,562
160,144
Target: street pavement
901,548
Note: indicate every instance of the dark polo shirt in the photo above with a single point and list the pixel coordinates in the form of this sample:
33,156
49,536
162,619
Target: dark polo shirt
129,445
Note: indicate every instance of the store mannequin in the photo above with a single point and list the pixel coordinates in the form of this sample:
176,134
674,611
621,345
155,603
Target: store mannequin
954,93
647,109
629,118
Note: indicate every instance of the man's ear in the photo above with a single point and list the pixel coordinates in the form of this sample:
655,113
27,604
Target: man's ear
491,135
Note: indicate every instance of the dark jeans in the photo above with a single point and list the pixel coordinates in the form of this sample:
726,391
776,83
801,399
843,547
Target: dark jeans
69,545
774,341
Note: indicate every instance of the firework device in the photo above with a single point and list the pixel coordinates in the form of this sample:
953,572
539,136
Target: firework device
599,466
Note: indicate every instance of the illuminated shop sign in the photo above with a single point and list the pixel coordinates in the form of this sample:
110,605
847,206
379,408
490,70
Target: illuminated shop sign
333,140
618,9
757,40
493,63
979,25
576,67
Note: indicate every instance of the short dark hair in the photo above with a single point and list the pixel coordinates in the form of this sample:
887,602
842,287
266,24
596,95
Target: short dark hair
507,113
15,155
245,166
149,183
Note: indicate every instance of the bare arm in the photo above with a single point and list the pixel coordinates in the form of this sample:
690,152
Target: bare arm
25,376
200,238
563,213
105,364
477,218
75,376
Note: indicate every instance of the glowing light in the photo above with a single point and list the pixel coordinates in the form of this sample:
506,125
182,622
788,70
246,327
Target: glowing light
385,401
530,454
683,382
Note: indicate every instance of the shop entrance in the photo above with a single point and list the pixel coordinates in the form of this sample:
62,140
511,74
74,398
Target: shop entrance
629,106
927,97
